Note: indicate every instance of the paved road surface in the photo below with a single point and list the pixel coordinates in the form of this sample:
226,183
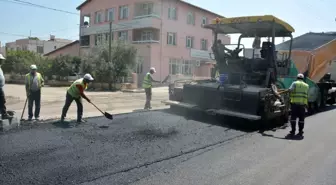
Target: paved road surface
157,148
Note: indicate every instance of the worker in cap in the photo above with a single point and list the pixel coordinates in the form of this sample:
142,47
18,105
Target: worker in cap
3,109
299,103
34,82
76,92
147,85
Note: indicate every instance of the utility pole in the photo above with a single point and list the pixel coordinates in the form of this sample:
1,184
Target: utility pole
110,42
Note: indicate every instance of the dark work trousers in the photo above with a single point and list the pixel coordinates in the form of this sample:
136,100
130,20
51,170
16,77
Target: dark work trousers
297,111
68,100
34,97
3,110
148,92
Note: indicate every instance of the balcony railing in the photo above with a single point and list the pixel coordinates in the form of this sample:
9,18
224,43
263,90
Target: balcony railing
150,9
145,41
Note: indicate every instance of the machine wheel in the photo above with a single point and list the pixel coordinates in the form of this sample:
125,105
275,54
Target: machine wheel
324,98
317,104
314,107
332,99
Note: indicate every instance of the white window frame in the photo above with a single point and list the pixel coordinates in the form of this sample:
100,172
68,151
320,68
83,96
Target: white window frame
174,66
146,35
123,12
191,18
189,42
123,35
110,14
139,64
147,8
204,20
181,66
98,17
172,13
187,67
98,39
171,38
107,36
204,44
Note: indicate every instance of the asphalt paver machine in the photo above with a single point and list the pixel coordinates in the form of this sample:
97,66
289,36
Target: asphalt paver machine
247,88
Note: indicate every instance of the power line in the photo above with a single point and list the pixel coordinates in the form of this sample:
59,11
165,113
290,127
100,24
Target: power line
38,6
26,36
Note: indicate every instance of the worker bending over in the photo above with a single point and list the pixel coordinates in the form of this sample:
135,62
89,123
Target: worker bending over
76,92
299,103
147,85
34,83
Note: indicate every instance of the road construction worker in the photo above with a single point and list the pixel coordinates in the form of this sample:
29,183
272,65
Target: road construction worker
3,110
34,82
299,102
76,92
147,85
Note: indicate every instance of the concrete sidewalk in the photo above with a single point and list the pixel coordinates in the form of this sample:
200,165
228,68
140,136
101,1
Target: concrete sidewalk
113,102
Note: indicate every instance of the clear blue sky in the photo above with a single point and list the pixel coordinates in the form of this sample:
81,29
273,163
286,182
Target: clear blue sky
304,16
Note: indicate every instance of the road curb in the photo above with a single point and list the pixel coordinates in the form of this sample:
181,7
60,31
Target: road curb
133,90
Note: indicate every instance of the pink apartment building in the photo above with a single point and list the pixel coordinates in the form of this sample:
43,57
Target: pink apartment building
167,33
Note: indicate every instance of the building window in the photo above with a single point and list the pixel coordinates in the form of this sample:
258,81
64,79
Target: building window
171,38
191,18
189,42
147,9
172,13
110,14
123,35
146,35
204,20
177,66
39,49
55,47
204,44
98,17
123,12
107,37
18,48
85,40
98,39
187,66
174,66
25,48
139,65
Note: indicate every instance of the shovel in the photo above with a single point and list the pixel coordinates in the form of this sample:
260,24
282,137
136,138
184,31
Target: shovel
165,80
107,115
24,108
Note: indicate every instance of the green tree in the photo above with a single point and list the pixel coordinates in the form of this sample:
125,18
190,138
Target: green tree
19,61
122,62
62,66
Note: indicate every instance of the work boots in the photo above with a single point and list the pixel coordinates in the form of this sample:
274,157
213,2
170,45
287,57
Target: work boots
79,121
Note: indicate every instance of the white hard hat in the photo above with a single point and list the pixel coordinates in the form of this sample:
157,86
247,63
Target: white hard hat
300,76
2,57
88,77
152,69
33,67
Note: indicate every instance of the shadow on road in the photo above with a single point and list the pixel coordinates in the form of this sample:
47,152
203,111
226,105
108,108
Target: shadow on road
65,124
296,137
223,121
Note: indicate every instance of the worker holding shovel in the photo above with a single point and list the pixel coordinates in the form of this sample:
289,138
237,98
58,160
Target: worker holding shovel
76,92
147,85
34,82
